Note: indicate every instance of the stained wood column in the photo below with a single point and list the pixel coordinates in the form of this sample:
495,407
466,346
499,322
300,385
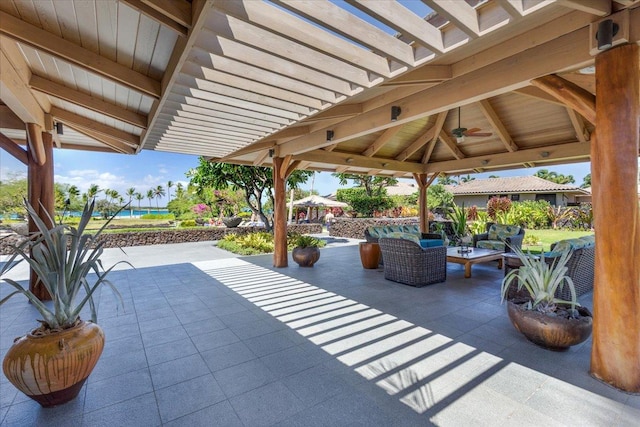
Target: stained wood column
280,257
423,212
615,356
41,193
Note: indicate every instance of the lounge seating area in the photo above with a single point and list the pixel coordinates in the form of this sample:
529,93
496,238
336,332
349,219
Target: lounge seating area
406,231
500,237
407,262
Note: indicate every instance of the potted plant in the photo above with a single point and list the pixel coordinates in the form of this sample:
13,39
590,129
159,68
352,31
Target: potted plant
540,316
458,216
306,250
51,363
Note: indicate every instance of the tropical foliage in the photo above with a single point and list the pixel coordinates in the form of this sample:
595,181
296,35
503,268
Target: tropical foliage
552,176
374,186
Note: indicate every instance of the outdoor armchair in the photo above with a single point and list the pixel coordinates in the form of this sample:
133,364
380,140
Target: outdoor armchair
500,237
409,263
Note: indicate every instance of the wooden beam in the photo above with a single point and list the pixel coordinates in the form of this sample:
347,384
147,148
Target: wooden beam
512,7
14,149
9,120
258,146
570,94
423,75
497,125
78,121
594,7
491,80
382,140
615,351
40,39
260,158
87,101
458,13
582,133
566,152
36,148
116,144
423,212
440,119
176,10
358,160
451,145
280,257
159,17
540,95
417,144
15,91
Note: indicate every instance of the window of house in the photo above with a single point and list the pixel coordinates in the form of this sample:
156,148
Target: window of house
515,197
551,198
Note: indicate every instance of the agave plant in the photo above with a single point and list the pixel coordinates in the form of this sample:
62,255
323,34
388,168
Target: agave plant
306,241
541,280
62,257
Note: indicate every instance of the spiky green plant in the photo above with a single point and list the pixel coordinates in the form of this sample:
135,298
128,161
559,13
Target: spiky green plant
62,257
541,281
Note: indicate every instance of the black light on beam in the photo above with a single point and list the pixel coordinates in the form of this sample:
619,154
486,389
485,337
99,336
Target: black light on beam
607,29
59,129
272,152
395,113
330,135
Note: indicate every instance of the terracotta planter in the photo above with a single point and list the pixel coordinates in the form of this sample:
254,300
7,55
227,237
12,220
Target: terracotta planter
554,333
306,257
369,254
51,369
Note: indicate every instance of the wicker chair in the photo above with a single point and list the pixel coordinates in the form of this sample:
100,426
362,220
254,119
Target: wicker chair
407,262
508,242
580,268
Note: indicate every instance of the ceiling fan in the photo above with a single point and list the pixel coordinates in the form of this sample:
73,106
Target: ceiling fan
461,132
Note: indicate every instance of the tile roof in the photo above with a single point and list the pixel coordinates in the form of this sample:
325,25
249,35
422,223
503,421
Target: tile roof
509,185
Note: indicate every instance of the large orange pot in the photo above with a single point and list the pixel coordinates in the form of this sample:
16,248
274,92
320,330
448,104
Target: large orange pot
51,369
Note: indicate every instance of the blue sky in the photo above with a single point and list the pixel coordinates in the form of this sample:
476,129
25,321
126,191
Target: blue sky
152,168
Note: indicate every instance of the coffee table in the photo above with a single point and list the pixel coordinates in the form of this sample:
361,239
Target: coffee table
475,256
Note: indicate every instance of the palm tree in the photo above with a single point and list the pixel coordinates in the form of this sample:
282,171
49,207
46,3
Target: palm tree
467,178
169,185
179,190
92,192
139,198
158,192
131,192
150,196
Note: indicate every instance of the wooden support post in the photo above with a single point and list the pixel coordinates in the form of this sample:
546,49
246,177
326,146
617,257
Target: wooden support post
41,197
280,256
615,355
423,212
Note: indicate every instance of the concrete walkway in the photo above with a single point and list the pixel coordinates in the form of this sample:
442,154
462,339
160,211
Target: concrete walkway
208,338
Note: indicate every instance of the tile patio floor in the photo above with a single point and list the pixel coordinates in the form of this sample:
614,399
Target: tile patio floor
207,338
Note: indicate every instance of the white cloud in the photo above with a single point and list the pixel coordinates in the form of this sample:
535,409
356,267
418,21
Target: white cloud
163,170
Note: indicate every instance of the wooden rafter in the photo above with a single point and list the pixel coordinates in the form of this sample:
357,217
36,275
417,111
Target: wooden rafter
382,140
357,160
417,144
176,10
403,20
260,158
497,125
9,120
569,93
87,101
115,144
582,133
40,39
594,7
451,145
157,16
538,94
459,13
437,128
15,91
11,147
35,144
77,121
512,7
423,75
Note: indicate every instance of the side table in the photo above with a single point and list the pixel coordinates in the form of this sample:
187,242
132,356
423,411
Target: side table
369,254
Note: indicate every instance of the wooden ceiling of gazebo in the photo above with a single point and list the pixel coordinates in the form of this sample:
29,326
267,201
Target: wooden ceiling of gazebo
244,81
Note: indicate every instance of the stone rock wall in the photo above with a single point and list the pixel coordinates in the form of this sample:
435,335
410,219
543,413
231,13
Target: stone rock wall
177,235
353,228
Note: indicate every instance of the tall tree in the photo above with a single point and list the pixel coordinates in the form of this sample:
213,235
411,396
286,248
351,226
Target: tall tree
447,180
92,192
555,177
586,181
256,183
158,192
169,185
139,198
150,196
467,178
374,186
131,192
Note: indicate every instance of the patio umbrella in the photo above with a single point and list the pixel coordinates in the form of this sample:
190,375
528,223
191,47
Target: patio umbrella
317,202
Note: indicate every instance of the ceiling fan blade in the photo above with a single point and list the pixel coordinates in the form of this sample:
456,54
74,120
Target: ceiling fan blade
479,134
472,130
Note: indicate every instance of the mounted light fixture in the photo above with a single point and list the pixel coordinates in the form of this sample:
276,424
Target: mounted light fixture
59,128
272,152
544,154
395,113
330,135
485,162
349,160
607,29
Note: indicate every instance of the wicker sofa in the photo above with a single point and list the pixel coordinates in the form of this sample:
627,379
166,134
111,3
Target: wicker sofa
500,237
374,233
580,264
409,263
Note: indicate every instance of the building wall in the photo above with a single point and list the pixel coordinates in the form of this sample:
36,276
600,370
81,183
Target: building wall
480,200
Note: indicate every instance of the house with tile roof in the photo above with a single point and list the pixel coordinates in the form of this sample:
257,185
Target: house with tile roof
518,188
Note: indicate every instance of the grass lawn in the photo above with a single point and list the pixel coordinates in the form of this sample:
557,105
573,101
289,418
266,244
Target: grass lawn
547,237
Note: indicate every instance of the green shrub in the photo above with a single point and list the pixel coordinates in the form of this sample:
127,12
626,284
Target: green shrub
188,223
530,214
169,216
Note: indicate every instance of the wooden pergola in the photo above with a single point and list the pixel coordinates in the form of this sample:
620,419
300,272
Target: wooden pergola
321,85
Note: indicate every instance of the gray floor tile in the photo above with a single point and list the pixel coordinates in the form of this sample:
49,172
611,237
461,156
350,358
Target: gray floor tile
30,413
254,329
292,360
227,356
118,364
203,326
140,411
165,335
187,397
266,405
170,351
117,389
178,370
269,343
243,377
220,414
214,339
316,385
